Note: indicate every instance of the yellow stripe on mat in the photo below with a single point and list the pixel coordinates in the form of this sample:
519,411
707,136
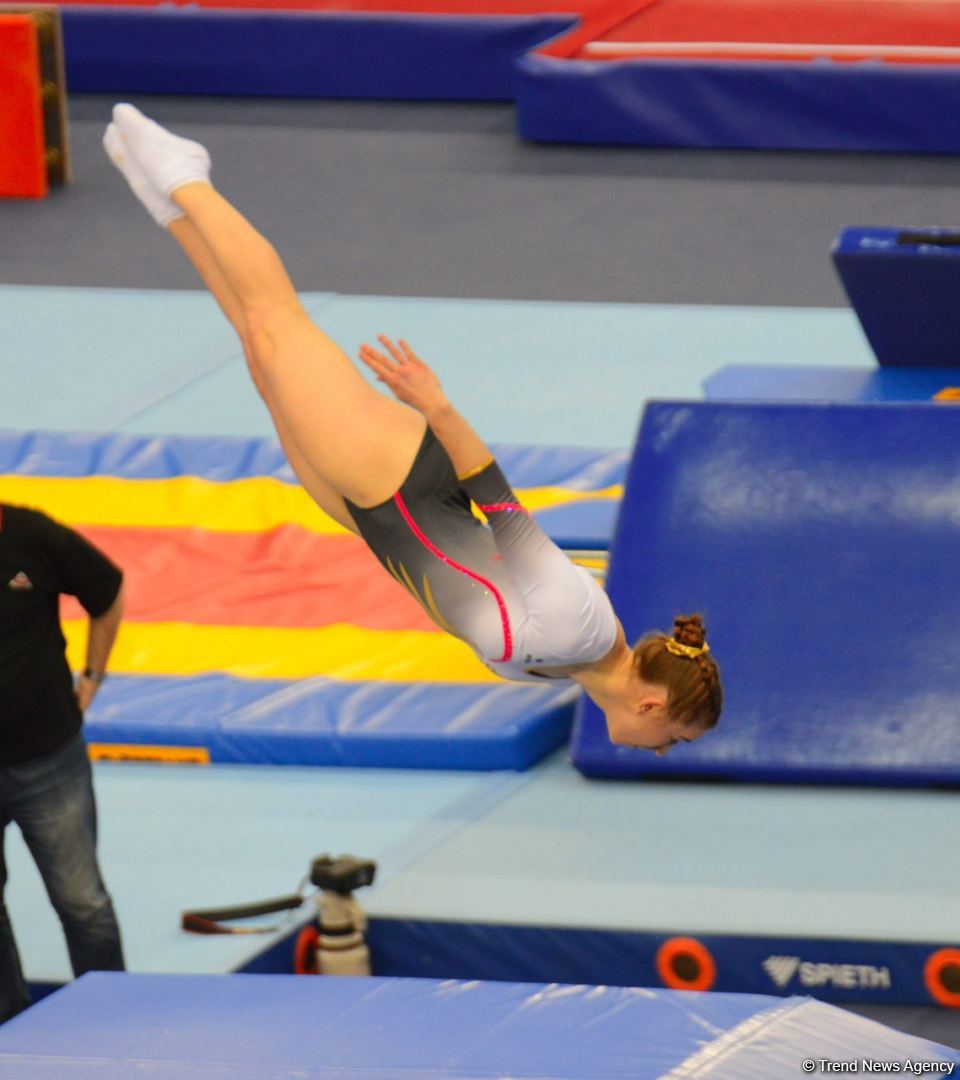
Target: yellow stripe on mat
253,505
340,651
182,502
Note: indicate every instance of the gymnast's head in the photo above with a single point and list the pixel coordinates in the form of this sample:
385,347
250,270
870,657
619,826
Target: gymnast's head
673,694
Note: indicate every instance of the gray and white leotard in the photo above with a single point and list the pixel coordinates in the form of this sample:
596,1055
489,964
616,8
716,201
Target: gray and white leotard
504,587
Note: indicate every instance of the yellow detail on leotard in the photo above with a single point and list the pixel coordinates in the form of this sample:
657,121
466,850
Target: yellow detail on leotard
476,470
426,601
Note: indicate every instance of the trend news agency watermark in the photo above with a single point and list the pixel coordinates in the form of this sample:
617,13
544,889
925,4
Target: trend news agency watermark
907,1067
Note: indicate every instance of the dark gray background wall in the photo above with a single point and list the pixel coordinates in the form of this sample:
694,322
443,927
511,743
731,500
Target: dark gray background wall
444,200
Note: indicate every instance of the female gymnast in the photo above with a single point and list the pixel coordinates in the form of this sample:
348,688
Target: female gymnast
402,473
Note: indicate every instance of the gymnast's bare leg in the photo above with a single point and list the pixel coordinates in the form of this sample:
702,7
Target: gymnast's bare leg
343,438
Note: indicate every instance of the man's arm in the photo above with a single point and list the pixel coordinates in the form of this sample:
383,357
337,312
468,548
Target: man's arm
414,383
102,632
83,571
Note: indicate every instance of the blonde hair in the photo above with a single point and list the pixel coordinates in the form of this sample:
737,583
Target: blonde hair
690,674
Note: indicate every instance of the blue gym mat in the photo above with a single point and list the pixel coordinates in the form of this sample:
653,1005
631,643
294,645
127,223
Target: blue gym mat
262,1027
821,544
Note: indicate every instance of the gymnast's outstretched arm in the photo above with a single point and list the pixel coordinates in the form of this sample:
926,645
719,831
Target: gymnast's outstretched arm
414,383
535,561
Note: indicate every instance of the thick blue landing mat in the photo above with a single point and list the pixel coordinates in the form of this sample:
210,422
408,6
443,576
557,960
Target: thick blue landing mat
264,1027
325,722
727,103
822,544
794,382
458,54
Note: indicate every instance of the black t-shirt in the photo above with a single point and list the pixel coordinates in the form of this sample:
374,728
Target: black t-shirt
39,559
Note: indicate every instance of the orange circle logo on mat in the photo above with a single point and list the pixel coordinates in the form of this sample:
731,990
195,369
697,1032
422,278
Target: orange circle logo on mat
686,964
941,973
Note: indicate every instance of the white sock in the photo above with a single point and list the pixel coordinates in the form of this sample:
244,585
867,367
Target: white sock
167,160
160,208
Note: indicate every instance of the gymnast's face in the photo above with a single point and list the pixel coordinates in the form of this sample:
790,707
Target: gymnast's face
643,722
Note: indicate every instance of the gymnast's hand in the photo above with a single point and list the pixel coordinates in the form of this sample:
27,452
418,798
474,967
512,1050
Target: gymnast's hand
410,379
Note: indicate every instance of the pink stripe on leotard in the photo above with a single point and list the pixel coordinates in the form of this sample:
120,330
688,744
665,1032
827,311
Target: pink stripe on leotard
493,508
433,549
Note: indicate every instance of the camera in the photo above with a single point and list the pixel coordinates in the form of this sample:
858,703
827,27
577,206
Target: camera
343,874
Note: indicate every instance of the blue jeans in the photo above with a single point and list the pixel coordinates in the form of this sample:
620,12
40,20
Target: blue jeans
51,799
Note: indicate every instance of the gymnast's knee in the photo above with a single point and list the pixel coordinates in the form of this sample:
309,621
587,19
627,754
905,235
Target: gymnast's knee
259,346
265,326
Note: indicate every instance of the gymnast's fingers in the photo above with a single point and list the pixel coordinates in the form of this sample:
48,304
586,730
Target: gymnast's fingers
377,362
392,349
372,355
409,355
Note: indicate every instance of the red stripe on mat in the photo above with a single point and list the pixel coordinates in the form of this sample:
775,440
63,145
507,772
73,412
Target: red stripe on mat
285,577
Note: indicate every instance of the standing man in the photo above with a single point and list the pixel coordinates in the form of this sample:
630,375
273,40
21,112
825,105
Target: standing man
45,776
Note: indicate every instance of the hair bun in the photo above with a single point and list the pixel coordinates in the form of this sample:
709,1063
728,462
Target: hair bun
689,630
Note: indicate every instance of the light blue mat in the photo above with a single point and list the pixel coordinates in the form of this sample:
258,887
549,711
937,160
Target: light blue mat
522,372
789,861
174,838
